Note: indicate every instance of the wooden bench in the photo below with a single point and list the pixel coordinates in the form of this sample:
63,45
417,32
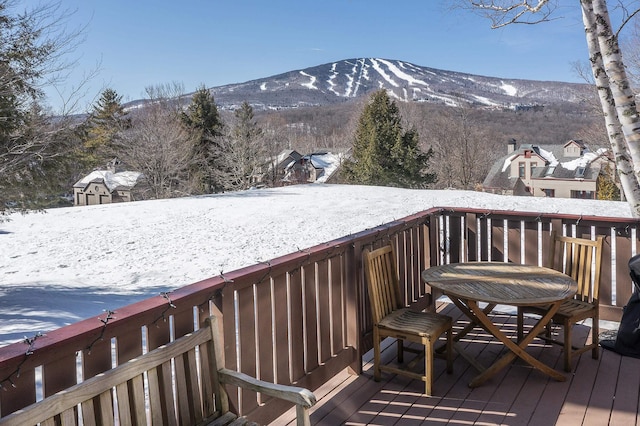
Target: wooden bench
188,371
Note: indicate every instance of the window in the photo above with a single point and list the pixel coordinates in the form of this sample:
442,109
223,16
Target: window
580,172
532,166
550,170
521,170
550,192
586,195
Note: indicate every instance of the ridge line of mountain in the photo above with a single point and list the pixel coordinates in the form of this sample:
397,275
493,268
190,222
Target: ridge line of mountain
349,79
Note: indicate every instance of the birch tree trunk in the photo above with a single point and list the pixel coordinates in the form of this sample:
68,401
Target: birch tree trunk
624,163
623,98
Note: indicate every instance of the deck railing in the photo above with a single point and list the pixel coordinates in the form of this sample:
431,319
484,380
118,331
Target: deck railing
303,317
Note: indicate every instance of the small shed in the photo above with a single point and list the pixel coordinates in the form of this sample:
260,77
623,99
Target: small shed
105,187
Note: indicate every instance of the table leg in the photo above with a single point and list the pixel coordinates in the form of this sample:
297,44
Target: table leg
473,322
516,350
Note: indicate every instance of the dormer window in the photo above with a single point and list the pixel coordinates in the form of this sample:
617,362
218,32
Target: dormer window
580,172
574,149
550,170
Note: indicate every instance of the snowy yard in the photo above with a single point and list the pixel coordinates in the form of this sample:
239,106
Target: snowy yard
72,263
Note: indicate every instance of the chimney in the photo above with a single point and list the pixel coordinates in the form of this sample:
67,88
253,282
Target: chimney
511,145
114,165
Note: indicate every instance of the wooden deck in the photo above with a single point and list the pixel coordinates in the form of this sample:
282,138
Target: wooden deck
596,392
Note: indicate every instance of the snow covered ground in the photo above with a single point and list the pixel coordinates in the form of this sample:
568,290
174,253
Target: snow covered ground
72,263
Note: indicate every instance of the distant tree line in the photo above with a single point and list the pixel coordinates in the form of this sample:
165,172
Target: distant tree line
465,141
180,149
190,147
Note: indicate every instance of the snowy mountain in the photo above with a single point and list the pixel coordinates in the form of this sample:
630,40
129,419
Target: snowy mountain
348,79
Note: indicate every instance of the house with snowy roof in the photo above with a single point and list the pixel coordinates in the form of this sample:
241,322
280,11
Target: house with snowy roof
290,167
106,186
321,166
564,171
274,168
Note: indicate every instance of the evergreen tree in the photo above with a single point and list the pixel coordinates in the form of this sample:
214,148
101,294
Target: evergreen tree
48,175
33,44
202,117
107,119
383,153
608,188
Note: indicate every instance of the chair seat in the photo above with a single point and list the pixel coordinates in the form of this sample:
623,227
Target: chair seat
423,324
571,308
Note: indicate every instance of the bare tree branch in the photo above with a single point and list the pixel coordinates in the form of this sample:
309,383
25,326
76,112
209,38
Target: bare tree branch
507,12
159,145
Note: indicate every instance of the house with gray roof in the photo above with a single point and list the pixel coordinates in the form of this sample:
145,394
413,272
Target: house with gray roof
320,166
274,169
105,187
570,170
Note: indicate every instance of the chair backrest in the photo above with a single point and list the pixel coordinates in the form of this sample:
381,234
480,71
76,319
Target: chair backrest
581,259
382,282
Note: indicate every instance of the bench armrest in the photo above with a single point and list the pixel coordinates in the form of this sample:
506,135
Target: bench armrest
297,395
303,398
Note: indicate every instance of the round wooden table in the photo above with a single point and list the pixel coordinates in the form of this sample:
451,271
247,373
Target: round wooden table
467,284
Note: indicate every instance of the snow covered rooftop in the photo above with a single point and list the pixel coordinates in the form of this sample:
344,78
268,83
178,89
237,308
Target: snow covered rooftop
111,180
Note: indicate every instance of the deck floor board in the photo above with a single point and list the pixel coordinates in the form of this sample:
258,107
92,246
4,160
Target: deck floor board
596,392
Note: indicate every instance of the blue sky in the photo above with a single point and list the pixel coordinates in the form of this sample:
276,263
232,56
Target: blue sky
141,43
